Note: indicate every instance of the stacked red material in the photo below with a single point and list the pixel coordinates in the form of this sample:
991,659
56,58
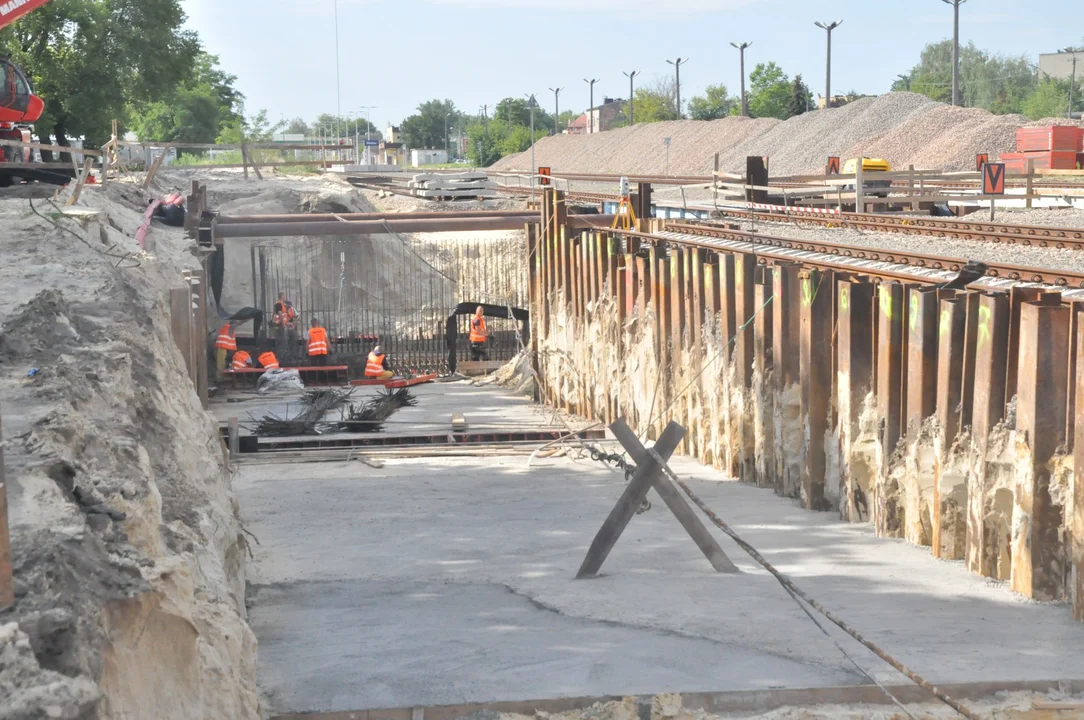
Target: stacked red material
1018,162
1052,147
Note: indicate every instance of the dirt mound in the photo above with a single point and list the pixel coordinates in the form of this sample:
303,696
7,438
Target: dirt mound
904,128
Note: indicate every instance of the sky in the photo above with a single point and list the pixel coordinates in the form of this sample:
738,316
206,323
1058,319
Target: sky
395,54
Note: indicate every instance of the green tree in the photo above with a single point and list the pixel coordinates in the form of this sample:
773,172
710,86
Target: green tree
257,128
1049,99
92,60
654,102
769,91
997,83
429,126
715,103
800,97
514,111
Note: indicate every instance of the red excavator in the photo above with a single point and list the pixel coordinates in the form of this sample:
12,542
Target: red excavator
19,106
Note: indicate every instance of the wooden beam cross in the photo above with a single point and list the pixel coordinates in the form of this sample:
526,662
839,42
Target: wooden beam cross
649,474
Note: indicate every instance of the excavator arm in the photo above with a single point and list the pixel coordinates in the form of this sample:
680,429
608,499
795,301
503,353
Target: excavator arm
12,10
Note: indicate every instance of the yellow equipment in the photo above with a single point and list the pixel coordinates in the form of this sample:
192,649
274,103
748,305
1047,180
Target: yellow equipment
625,219
868,165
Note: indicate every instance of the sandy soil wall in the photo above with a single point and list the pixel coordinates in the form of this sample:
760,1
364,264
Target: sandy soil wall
129,558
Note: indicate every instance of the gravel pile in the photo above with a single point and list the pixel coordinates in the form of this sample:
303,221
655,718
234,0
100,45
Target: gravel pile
1062,217
904,128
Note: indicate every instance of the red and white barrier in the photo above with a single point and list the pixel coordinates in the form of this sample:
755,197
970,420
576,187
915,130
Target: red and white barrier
793,208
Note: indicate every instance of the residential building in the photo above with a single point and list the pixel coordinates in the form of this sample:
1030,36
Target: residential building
605,116
578,126
1059,65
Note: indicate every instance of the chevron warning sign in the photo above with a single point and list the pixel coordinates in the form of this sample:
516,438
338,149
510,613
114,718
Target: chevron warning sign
980,160
833,165
993,179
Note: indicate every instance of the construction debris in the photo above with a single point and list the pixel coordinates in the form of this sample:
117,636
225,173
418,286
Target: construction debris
453,185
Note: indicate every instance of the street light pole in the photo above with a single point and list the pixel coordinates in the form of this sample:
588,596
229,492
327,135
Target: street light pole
591,108
829,27
744,100
534,168
630,76
338,85
677,74
955,48
1072,81
556,110
447,150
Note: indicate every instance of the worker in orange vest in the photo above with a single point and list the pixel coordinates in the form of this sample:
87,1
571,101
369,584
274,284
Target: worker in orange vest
376,365
241,360
318,346
225,343
269,361
478,335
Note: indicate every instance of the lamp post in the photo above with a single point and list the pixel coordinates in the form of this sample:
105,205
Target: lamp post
630,76
1072,81
677,80
744,100
829,27
591,107
447,150
338,84
955,48
531,103
556,110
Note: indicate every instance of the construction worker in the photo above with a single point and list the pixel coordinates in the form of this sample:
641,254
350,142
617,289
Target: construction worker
376,365
478,335
268,361
225,343
283,326
241,360
318,347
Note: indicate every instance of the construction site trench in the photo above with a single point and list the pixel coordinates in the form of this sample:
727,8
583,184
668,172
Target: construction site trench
878,437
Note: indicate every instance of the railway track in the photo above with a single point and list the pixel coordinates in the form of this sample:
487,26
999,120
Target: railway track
900,265
1032,235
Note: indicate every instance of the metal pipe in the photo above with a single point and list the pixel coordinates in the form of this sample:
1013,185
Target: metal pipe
382,227
829,27
339,217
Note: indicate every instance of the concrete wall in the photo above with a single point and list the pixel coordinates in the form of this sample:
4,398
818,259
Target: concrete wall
1060,65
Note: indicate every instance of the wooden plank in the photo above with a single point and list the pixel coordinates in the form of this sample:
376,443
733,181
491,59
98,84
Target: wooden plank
673,499
7,583
816,382
53,148
228,146
629,502
1037,570
80,182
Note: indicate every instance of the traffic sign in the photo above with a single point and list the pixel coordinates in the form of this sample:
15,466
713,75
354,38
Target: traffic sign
833,165
544,172
980,160
993,179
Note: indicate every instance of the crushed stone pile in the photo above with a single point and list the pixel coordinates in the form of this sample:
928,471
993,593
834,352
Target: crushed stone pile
904,128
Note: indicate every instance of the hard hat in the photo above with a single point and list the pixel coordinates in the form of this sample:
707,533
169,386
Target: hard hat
378,350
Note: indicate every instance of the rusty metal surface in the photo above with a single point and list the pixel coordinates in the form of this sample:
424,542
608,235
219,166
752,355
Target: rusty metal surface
7,588
815,348
854,301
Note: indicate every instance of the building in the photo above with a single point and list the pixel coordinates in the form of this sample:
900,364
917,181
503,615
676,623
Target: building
419,158
391,153
1059,65
578,126
605,116
393,134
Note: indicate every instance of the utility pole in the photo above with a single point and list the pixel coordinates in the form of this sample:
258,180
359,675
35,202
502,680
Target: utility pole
591,107
447,146
556,110
744,100
338,84
534,168
368,125
1072,82
630,76
677,75
828,73
955,48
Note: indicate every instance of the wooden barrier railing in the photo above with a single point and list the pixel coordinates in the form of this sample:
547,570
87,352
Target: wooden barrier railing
949,418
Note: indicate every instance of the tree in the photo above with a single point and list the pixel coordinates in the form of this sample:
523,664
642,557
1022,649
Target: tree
254,129
654,102
429,127
769,91
715,103
997,83
297,126
196,112
514,111
92,60
1049,99
800,98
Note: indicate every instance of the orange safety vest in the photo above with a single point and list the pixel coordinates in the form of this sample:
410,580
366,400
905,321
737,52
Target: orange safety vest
374,365
477,329
269,361
317,341
227,339
240,360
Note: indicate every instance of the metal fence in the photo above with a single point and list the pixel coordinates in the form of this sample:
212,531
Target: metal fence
394,290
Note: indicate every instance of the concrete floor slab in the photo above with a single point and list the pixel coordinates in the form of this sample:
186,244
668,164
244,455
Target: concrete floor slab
451,580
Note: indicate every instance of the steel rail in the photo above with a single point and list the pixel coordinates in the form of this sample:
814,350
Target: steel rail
1018,273
1047,236
350,216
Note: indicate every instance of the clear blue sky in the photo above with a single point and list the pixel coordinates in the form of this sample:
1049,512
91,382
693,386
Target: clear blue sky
395,54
